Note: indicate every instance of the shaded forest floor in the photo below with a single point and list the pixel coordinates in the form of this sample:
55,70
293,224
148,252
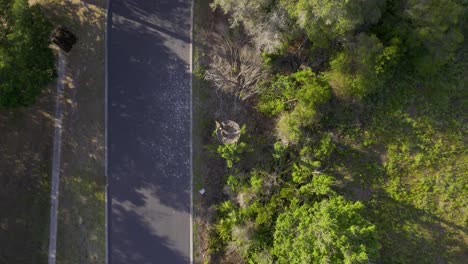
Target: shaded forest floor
25,169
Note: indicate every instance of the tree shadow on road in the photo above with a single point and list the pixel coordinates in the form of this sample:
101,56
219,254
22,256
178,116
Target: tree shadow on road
137,243
149,131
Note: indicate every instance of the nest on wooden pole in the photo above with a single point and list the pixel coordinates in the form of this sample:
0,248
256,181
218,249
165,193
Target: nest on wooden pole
63,38
228,132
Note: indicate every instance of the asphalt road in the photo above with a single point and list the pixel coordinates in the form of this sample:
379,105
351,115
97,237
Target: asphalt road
148,131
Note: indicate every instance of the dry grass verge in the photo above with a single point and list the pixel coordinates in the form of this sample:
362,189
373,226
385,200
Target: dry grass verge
81,223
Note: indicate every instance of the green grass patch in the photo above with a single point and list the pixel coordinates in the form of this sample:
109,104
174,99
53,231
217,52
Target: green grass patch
83,223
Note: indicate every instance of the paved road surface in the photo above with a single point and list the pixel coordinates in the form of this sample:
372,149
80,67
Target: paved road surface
149,131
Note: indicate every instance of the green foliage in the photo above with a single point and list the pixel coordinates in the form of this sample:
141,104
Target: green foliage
233,182
309,180
256,182
318,152
232,152
297,97
279,154
26,61
360,71
303,172
434,35
279,96
320,185
247,12
330,231
224,226
391,136
264,20
327,20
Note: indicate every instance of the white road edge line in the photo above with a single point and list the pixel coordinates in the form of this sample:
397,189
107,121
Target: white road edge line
106,209
55,181
191,129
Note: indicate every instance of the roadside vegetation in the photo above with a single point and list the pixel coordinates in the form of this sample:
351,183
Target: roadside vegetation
354,148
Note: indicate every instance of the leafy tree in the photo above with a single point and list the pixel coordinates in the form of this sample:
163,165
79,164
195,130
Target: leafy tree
333,19
435,33
26,61
264,20
431,33
297,97
330,231
362,67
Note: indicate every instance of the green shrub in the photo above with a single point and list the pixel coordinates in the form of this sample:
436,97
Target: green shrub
232,152
330,231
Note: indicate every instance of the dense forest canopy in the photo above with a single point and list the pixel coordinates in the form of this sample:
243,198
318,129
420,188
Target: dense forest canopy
26,61
368,162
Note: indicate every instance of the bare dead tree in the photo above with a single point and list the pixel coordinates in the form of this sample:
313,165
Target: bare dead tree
268,33
235,68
